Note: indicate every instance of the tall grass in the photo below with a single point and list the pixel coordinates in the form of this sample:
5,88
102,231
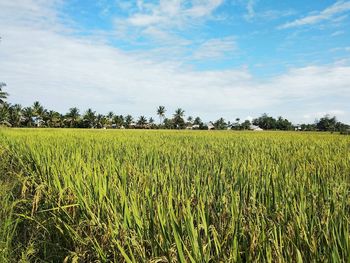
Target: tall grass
170,196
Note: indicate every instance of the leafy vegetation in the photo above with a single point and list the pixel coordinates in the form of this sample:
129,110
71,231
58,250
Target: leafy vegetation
38,116
173,196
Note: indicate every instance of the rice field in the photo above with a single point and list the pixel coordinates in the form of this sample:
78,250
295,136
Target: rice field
173,196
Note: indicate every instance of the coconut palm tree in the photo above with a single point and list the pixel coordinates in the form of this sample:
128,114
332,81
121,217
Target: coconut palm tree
39,113
178,118
142,121
73,117
53,119
151,122
3,94
15,115
161,113
5,114
220,124
90,118
28,116
38,109
179,113
128,120
118,120
197,121
104,121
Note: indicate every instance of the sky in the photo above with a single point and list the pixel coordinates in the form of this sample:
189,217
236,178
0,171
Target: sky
213,58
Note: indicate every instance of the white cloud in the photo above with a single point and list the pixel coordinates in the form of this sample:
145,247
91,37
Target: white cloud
40,62
338,33
328,13
167,15
309,117
216,48
340,49
250,10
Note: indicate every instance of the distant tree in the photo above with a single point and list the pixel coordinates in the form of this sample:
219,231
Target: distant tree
110,115
53,119
283,124
101,121
118,120
15,115
38,109
161,113
246,125
3,94
128,120
341,127
197,121
178,118
5,114
142,121
28,115
151,123
265,122
169,123
73,117
89,118
308,127
220,124
326,123
104,121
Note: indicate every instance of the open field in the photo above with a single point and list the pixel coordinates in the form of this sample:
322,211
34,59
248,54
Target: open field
173,196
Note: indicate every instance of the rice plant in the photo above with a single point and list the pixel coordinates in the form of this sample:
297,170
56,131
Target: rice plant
174,196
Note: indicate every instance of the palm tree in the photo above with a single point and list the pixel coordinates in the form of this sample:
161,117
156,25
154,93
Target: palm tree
104,121
142,121
28,116
90,118
178,118
220,124
190,119
3,94
38,109
161,113
128,120
197,121
15,115
118,120
73,116
179,113
53,119
110,115
5,114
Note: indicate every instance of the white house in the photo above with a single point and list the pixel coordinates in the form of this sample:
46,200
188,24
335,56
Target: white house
193,127
255,128
210,126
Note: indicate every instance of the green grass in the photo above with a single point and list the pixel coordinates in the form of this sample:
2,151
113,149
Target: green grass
173,196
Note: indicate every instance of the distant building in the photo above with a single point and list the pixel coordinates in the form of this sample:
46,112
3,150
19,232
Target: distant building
255,128
38,121
193,127
297,128
210,126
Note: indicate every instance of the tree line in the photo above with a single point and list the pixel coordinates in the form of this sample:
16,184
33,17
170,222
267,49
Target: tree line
14,115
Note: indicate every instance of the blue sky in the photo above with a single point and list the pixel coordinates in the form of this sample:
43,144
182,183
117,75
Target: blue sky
214,58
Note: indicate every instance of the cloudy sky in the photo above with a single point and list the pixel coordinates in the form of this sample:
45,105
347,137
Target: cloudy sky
213,58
